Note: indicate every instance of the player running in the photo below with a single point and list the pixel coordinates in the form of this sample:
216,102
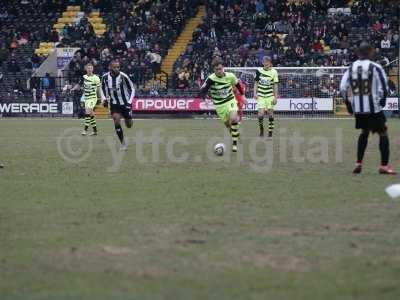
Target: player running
368,84
266,94
240,99
219,86
119,92
91,94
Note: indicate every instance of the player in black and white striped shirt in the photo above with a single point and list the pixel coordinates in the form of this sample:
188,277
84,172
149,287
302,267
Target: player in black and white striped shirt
119,91
368,86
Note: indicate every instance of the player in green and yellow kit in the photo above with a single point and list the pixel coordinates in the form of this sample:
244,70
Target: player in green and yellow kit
219,87
91,94
266,94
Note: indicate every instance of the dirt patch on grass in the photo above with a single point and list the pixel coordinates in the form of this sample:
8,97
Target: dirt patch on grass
325,229
189,242
95,251
278,262
114,250
109,259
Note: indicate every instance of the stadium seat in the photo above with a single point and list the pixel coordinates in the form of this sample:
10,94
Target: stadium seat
327,50
92,19
73,8
99,26
97,22
69,14
99,32
66,20
95,14
58,26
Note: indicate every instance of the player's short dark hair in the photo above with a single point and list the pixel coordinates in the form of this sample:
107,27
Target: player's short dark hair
89,64
364,50
216,62
114,61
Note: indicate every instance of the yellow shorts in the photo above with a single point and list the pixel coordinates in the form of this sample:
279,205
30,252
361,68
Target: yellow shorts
265,103
223,110
90,104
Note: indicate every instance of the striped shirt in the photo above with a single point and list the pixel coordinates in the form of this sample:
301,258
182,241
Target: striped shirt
90,85
119,88
369,86
220,87
266,79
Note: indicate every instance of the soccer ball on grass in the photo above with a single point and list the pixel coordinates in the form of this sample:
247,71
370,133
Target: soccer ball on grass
219,149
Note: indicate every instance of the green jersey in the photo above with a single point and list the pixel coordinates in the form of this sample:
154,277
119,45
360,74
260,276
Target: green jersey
220,88
266,80
90,86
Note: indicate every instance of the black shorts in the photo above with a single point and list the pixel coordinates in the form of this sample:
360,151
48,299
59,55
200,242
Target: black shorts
124,111
373,122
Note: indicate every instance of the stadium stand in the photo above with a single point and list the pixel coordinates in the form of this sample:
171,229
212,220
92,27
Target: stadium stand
243,32
139,36
23,24
178,39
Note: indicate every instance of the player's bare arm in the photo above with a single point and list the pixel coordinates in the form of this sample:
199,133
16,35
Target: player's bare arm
204,89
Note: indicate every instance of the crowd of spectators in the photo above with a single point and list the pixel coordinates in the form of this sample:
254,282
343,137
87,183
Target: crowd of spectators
23,24
26,23
313,33
138,36
293,32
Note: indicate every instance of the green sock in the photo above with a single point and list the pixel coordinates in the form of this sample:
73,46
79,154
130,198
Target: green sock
235,133
261,124
271,124
87,122
93,123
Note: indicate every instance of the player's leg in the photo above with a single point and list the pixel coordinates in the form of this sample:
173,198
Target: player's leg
93,122
361,147
228,114
270,114
385,152
116,116
87,119
223,114
261,105
234,123
128,118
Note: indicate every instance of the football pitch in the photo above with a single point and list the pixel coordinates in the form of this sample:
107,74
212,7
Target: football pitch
281,219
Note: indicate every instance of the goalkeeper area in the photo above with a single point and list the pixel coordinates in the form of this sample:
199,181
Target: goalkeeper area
81,220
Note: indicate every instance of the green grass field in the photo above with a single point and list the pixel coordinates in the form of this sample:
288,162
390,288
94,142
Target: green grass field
112,227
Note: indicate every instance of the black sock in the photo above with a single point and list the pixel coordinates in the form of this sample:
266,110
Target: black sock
362,145
87,121
261,123
93,123
120,133
271,124
384,149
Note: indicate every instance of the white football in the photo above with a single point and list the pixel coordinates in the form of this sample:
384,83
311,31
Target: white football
219,149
